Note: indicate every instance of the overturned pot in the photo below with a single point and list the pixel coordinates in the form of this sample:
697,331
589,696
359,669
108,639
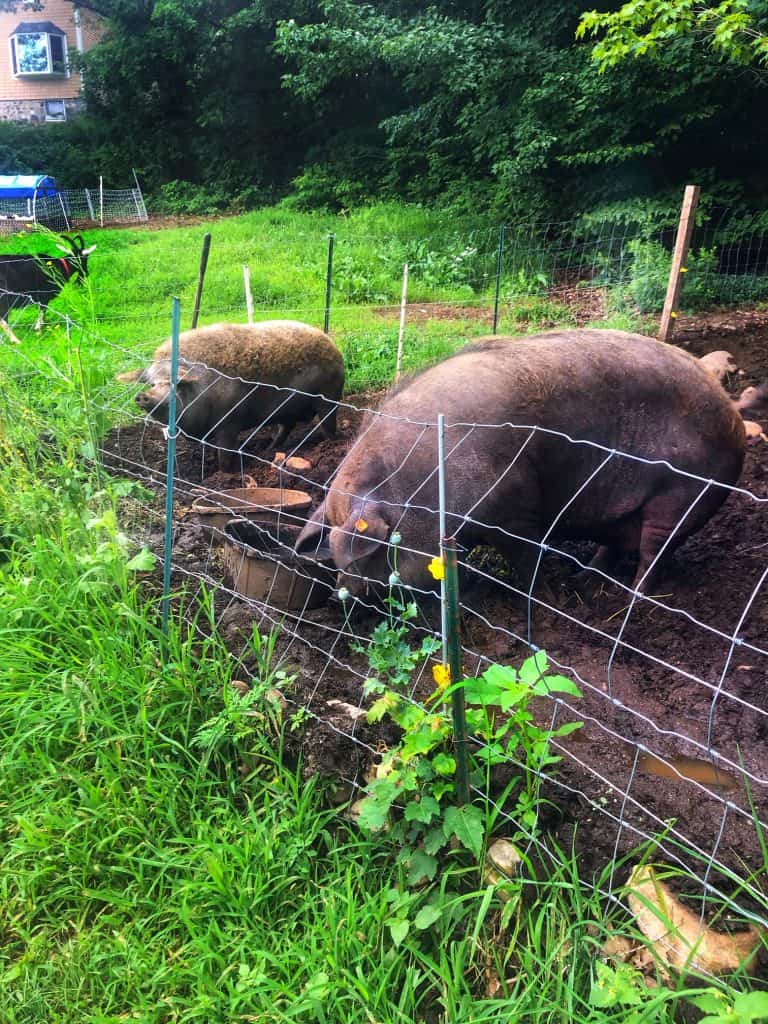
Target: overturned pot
264,567
257,504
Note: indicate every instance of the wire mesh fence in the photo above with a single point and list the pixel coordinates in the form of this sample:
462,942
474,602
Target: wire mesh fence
512,278
672,677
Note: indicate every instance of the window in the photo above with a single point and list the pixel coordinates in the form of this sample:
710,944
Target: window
55,110
38,49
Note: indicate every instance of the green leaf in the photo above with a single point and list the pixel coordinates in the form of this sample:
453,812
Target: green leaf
423,810
711,1001
383,706
435,840
373,816
751,1006
567,728
444,764
477,691
421,867
144,561
467,823
398,929
374,808
533,668
421,740
427,916
555,684
501,676
619,986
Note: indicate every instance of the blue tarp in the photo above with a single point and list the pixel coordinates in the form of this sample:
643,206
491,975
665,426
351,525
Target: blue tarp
26,186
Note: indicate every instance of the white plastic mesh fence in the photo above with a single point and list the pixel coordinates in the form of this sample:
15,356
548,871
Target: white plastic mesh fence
70,208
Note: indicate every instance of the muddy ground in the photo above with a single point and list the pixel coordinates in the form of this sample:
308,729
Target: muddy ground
676,687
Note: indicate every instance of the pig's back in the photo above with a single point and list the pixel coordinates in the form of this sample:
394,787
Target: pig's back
285,353
621,390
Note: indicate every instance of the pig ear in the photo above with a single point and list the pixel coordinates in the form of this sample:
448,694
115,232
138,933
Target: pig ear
189,375
361,536
313,539
130,377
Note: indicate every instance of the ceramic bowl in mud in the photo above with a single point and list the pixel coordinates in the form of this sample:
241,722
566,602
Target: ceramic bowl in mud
263,566
257,504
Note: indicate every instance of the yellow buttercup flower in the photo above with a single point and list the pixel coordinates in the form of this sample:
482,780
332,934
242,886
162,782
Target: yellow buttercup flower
442,676
437,568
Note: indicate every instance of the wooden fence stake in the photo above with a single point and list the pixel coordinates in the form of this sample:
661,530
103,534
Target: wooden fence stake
248,294
682,244
201,277
401,332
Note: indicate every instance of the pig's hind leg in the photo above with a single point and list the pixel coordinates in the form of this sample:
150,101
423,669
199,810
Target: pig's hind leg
590,581
665,525
283,430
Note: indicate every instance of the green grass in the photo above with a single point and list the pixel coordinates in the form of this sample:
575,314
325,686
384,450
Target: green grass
161,859
135,272
146,875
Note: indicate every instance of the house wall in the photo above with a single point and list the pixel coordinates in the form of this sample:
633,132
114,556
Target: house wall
23,99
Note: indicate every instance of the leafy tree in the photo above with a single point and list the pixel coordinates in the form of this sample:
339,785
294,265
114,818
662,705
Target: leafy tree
499,104
478,103
735,29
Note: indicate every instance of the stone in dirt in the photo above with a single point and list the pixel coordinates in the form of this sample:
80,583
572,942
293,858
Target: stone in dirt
297,464
502,863
754,430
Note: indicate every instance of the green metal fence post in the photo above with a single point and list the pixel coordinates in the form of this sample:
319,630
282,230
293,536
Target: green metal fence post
168,544
454,661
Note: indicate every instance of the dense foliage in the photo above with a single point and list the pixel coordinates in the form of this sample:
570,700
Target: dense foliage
494,104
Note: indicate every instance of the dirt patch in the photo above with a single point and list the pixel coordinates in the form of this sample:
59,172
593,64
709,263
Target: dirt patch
584,303
672,683
422,312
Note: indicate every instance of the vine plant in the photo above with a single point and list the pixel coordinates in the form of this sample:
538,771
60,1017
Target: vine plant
413,796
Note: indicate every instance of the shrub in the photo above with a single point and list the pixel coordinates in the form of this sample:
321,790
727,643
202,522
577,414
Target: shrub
179,197
649,274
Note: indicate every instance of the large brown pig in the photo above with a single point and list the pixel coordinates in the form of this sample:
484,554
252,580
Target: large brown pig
509,485
236,376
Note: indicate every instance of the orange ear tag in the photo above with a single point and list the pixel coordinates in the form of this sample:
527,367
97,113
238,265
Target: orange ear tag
361,525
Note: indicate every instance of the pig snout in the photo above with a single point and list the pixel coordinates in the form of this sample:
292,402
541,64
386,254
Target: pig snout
368,553
154,402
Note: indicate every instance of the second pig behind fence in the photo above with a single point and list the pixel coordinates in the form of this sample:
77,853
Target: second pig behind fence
518,412
235,377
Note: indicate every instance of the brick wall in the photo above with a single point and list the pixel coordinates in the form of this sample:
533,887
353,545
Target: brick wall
23,99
